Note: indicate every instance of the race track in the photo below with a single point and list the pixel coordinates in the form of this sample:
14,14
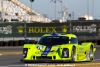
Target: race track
10,57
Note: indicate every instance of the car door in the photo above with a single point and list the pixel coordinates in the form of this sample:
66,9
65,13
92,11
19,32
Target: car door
80,49
81,52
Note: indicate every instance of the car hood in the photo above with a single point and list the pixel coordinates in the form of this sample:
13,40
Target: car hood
50,47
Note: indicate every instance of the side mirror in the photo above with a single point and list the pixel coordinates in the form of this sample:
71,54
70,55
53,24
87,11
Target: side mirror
94,49
69,42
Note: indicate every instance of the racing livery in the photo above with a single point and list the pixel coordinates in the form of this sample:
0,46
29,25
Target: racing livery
58,47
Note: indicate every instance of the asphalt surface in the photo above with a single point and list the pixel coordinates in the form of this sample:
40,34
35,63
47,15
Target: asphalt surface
9,49
14,60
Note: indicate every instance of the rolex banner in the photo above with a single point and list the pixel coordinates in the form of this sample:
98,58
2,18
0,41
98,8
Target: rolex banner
10,30
38,29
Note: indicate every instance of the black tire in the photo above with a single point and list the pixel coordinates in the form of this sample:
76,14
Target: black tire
73,54
91,54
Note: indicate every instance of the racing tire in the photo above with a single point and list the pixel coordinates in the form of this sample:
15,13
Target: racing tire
73,54
91,54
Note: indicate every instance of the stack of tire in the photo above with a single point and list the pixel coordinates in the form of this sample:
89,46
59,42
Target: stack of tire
16,43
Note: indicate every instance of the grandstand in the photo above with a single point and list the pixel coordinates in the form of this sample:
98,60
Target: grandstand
15,9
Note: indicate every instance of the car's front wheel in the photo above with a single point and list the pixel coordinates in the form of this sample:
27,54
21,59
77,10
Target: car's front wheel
91,54
73,55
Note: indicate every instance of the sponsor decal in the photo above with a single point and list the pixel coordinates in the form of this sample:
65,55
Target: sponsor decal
87,28
46,51
6,30
63,29
20,29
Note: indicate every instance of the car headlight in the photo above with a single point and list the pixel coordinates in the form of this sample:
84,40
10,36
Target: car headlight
23,55
65,53
39,47
25,50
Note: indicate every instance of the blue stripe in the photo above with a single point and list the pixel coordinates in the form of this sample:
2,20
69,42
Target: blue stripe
46,51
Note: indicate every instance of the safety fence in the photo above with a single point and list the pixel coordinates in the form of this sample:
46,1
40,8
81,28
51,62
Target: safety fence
15,33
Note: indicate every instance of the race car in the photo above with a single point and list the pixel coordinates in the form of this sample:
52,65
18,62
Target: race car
58,47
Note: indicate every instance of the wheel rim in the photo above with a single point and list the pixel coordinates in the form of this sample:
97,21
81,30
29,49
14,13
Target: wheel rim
91,54
73,56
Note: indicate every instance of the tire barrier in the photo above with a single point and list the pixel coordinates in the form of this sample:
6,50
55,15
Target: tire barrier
5,43
16,43
98,42
22,42
1,43
32,41
10,43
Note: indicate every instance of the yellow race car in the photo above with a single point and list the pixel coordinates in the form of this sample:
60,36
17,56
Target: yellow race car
58,47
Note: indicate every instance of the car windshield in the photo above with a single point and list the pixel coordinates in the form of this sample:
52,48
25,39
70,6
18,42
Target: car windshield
54,40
